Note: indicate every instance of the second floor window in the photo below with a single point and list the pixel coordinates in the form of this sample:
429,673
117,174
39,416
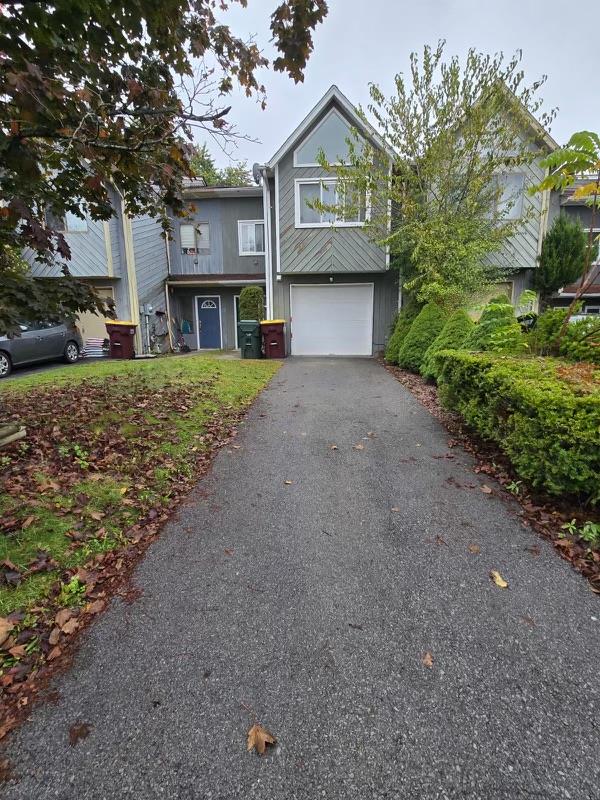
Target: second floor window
251,235
195,238
348,207
70,223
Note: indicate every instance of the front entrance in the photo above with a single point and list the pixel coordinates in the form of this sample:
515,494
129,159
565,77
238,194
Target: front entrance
208,318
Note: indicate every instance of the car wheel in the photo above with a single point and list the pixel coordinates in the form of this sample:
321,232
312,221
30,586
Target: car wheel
71,352
5,365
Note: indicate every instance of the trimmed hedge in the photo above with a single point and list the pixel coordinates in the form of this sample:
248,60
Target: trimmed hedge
540,411
452,337
581,341
425,328
401,327
252,303
497,330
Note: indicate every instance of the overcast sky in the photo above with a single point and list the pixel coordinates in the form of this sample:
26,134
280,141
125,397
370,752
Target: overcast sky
364,41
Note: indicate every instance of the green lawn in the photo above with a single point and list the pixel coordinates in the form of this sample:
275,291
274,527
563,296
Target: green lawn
110,448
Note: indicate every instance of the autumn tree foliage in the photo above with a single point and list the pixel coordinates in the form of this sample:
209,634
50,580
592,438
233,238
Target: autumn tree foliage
100,92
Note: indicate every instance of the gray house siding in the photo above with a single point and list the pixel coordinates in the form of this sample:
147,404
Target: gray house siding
88,255
151,265
312,250
385,299
222,215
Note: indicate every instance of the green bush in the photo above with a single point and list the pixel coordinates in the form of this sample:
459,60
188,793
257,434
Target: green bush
252,303
497,330
543,339
581,341
452,337
424,329
401,327
540,411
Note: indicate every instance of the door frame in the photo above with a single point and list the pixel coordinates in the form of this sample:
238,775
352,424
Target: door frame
235,319
197,320
327,285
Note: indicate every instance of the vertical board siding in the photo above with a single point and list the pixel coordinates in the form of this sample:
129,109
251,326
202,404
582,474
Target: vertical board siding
316,250
150,260
222,215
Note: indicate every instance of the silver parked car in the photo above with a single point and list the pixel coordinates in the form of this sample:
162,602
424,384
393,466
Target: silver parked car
40,341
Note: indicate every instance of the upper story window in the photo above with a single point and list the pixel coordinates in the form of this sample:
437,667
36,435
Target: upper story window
251,237
509,204
330,136
194,238
350,209
70,223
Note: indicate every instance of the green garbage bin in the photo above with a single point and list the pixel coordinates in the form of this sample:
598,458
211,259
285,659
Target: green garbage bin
249,338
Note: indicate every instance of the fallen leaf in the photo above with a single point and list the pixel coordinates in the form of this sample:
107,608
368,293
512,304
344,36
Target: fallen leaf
96,607
440,540
123,490
70,626
485,489
355,627
395,509
97,515
27,522
427,660
5,628
534,550
81,730
528,620
259,738
358,446
63,616
54,636
333,447
288,483
6,773
474,548
18,651
54,653
228,551
498,579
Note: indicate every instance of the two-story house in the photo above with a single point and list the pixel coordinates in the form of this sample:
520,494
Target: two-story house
124,258
325,277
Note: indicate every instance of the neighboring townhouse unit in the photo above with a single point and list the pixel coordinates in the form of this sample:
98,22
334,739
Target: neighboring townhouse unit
580,211
216,250
124,258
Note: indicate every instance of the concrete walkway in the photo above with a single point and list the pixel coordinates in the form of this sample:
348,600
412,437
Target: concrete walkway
312,604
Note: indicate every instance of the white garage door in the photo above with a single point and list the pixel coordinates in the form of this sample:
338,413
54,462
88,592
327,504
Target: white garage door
332,319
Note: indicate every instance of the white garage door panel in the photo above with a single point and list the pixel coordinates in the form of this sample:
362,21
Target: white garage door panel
332,319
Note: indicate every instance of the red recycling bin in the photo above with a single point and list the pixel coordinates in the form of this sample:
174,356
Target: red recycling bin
121,335
273,338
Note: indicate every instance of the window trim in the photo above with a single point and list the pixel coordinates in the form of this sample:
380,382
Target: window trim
250,222
331,112
335,223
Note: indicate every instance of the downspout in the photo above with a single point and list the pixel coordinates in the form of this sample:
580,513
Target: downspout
267,226
167,301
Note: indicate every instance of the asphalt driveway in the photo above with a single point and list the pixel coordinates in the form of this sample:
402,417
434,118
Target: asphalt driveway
310,606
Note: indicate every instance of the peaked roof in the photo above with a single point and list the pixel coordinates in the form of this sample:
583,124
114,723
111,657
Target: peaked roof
333,93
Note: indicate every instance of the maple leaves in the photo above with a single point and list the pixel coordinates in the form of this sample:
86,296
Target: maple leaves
259,739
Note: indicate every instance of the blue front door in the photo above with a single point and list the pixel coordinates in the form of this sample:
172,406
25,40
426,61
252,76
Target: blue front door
209,322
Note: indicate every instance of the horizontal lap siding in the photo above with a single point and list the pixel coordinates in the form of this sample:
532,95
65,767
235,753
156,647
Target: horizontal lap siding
150,261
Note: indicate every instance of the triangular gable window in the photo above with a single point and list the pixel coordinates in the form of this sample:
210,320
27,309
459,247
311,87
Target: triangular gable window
330,135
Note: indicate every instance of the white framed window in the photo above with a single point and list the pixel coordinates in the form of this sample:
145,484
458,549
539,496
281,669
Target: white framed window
509,204
251,237
194,237
330,136
351,210
70,223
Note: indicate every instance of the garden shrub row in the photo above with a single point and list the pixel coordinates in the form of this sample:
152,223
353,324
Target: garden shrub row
543,414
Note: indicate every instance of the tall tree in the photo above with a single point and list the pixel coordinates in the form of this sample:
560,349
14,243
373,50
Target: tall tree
580,157
203,164
99,92
562,259
460,132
